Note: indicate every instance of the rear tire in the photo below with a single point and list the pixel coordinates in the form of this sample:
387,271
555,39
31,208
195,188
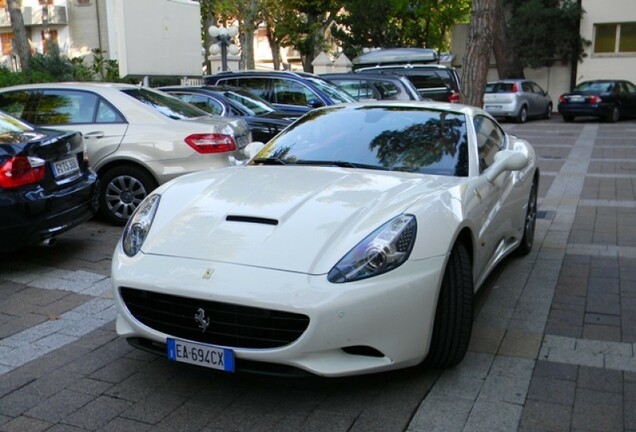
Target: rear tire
530,222
614,115
121,191
548,112
522,116
454,313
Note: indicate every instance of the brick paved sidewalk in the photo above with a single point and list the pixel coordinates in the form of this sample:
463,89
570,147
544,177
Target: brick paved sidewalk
554,342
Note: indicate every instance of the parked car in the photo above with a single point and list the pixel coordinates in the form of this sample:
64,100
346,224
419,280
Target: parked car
46,184
292,93
136,138
433,81
610,100
261,117
419,65
517,99
365,86
304,258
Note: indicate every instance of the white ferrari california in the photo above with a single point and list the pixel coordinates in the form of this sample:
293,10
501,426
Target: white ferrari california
352,243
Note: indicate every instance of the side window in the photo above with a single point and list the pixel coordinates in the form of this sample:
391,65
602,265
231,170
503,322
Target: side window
60,107
526,87
356,88
631,88
205,103
490,139
258,86
14,103
291,93
107,114
537,89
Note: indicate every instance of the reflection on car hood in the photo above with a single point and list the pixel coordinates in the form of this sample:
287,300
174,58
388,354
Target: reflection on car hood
301,219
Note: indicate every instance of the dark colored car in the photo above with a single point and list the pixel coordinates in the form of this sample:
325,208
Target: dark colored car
365,86
610,100
432,81
292,93
46,185
261,117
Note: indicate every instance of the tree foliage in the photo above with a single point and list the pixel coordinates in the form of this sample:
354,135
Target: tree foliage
400,23
545,31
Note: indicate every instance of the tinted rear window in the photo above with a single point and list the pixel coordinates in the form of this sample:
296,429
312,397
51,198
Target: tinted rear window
500,88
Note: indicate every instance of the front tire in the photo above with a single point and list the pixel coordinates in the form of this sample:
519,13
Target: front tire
530,222
454,313
122,190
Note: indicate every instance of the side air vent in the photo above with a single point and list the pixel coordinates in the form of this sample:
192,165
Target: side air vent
251,219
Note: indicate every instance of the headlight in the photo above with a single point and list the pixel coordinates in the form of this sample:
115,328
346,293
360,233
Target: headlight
382,251
139,224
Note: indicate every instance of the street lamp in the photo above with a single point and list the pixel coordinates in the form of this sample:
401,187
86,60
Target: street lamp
225,43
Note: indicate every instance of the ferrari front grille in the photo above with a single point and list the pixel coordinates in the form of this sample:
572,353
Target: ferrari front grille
214,322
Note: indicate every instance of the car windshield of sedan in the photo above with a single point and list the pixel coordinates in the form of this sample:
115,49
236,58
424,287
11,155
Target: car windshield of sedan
392,138
255,105
170,106
10,124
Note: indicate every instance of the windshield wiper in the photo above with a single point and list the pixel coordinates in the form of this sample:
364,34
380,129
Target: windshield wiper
269,161
342,164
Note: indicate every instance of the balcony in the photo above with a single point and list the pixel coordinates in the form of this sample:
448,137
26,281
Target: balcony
35,16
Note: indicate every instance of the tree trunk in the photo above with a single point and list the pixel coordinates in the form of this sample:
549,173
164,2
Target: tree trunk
478,51
249,27
274,47
21,45
507,63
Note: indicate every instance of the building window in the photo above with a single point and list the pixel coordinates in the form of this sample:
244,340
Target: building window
7,38
615,38
51,36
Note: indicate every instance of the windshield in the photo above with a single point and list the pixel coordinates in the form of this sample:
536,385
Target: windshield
10,124
410,139
331,90
251,103
594,86
167,105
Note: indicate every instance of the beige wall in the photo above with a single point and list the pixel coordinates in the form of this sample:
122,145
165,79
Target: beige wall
606,65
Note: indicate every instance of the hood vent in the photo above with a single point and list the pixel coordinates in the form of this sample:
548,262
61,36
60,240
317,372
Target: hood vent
251,219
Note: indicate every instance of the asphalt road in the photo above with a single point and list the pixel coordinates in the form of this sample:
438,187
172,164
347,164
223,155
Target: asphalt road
553,346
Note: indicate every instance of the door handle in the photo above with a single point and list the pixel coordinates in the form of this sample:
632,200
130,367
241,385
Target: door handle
96,134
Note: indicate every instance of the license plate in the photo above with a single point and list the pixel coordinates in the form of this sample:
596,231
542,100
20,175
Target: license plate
201,355
577,99
65,166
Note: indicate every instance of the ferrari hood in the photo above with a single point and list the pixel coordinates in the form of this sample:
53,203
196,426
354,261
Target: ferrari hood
293,218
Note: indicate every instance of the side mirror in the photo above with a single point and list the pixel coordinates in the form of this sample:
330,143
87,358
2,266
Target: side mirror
506,160
314,103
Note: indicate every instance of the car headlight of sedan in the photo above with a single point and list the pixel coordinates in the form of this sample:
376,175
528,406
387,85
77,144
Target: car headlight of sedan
383,250
139,224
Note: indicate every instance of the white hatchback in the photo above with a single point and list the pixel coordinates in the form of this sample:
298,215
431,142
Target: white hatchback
136,138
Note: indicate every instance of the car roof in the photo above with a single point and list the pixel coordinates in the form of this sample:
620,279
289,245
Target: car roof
358,75
435,105
78,85
396,56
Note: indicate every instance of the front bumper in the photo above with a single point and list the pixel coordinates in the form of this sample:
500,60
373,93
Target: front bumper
391,314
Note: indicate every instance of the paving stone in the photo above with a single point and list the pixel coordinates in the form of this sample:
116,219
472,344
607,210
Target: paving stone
596,410
97,413
25,424
552,390
538,415
56,409
604,380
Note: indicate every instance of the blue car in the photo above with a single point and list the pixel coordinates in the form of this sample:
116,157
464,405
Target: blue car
292,93
610,100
